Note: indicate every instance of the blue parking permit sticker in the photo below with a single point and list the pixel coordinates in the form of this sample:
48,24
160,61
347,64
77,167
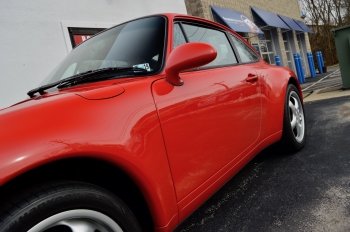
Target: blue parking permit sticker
143,66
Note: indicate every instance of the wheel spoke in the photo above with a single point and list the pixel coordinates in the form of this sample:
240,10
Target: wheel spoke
294,135
296,103
83,225
292,107
79,220
299,129
293,123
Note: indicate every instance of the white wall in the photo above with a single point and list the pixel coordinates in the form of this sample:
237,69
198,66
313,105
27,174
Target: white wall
32,40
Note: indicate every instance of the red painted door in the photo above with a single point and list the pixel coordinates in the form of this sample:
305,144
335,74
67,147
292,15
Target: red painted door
208,121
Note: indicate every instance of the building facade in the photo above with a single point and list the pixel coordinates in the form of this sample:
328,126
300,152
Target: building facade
282,28
36,35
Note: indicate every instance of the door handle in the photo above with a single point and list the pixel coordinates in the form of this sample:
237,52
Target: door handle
252,77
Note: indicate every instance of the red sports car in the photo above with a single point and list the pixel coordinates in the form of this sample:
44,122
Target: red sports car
139,125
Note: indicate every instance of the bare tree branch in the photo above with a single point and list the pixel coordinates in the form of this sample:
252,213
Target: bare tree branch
322,16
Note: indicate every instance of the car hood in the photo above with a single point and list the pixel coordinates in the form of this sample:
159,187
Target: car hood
65,107
91,91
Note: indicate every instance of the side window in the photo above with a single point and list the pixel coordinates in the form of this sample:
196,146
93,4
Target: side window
178,36
246,54
215,38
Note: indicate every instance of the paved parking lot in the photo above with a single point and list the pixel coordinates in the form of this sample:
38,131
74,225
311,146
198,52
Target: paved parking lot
326,80
306,191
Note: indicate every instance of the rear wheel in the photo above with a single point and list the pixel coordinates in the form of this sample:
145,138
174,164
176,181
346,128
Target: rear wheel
294,125
69,206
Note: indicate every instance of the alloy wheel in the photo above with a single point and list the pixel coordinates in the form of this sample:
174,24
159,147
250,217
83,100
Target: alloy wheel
77,221
297,119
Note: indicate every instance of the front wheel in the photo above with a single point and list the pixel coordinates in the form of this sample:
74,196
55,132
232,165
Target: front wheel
69,206
294,124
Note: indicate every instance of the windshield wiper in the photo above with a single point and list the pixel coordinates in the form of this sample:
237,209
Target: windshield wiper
76,79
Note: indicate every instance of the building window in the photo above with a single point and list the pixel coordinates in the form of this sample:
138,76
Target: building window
288,50
301,39
266,47
79,35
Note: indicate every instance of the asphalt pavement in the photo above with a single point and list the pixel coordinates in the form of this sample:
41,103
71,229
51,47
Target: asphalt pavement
277,191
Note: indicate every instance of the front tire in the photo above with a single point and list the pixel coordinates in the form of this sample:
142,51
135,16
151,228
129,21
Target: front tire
68,206
294,124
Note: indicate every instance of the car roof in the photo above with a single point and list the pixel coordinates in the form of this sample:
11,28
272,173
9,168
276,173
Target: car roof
175,16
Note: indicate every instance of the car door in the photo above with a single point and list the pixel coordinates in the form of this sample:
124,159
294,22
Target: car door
213,117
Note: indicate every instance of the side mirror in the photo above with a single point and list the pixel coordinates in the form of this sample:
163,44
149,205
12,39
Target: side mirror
187,56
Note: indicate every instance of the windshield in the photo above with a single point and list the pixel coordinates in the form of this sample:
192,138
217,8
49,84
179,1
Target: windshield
138,43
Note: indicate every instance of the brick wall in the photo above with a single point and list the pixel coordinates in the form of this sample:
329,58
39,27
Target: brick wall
201,8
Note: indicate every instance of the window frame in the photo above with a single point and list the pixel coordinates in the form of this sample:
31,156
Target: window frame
240,60
67,25
183,33
165,42
82,31
271,40
287,40
208,26
162,64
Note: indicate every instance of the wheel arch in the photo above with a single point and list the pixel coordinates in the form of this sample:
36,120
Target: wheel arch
90,170
293,80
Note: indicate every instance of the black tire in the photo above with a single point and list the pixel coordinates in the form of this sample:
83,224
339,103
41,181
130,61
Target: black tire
85,202
293,139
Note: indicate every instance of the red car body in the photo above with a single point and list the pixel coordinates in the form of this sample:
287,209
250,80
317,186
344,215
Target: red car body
178,140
